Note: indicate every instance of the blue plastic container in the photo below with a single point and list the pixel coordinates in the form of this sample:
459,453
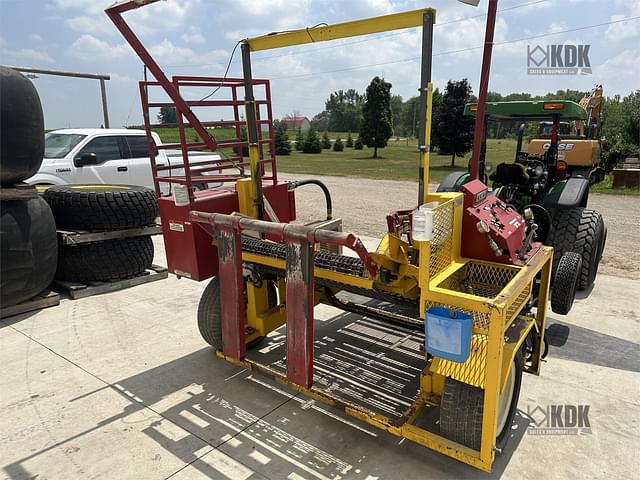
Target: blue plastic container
448,333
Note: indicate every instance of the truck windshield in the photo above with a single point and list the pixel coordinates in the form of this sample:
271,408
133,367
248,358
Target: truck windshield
57,145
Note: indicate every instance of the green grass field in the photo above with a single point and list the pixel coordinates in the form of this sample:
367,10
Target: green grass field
398,161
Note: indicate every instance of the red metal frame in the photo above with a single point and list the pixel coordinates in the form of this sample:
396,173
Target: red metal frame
479,131
299,278
186,118
230,150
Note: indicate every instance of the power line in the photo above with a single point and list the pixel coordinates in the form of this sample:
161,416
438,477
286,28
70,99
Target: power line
468,49
370,38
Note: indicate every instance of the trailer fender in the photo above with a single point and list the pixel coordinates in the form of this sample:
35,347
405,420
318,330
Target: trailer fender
567,194
453,182
472,371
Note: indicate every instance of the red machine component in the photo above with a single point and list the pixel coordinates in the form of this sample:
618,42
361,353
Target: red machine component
188,246
492,230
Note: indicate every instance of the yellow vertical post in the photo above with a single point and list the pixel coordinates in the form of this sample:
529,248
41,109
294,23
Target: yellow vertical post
495,344
425,150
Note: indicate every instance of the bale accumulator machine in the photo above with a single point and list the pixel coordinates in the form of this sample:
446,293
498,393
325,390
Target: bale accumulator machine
463,268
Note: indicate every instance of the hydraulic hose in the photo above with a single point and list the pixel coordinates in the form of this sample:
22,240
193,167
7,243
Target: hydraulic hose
327,195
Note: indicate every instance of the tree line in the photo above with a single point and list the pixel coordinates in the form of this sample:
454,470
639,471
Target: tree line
376,115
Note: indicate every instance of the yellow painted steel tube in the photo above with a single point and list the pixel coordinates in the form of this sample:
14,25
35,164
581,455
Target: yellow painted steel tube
366,26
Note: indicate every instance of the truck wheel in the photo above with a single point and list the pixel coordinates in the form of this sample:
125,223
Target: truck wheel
105,261
462,407
102,207
579,230
21,127
29,249
210,318
565,283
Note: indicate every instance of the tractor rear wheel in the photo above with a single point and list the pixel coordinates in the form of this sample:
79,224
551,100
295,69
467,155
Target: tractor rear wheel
210,316
462,408
579,230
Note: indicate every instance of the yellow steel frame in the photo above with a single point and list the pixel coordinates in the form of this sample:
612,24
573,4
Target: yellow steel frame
384,23
489,365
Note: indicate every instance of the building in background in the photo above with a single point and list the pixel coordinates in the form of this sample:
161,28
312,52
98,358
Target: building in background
296,123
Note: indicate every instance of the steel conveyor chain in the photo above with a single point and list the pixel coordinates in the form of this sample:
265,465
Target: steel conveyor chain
323,259
326,261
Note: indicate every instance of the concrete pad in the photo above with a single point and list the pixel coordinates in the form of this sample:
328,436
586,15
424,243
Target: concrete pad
122,386
59,421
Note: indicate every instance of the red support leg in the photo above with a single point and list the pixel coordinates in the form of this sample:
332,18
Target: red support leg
300,287
231,291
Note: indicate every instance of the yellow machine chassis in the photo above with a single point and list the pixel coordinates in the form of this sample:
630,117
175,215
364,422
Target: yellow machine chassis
498,334
441,277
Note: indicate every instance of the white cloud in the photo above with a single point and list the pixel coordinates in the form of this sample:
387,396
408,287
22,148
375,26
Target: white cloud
88,47
35,37
166,53
157,17
193,36
99,25
22,56
92,7
619,73
622,30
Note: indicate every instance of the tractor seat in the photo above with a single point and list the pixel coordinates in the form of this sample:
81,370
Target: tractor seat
510,174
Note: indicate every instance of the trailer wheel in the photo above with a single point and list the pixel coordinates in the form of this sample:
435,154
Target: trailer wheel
210,318
565,283
21,127
28,249
579,230
105,261
462,407
102,207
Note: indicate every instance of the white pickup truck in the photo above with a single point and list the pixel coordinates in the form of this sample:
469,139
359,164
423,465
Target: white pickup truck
105,156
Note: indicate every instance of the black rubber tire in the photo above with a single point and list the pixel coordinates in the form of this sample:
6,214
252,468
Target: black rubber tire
209,316
565,283
105,261
452,182
578,230
102,207
21,127
29,249
462,407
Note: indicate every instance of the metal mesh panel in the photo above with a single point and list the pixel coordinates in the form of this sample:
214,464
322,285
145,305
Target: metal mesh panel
480,319
479,279
514,308
442,243
472,371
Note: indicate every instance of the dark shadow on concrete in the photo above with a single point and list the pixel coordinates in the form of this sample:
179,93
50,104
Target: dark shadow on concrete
572,342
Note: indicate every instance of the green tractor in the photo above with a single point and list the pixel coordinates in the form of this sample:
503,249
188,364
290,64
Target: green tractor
544,184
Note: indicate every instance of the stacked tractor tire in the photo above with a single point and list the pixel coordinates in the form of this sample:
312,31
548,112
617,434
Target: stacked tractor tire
99,208
28,241
30,255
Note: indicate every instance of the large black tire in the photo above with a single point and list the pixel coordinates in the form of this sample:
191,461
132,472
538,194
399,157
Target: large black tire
21,128
102,207
565,283
210,318
462,407
29,246
453,182
105,261
579,230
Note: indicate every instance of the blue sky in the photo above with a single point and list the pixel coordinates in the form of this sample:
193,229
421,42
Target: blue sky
197,36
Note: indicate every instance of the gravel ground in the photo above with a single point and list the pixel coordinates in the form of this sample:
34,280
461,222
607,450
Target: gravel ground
363,205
